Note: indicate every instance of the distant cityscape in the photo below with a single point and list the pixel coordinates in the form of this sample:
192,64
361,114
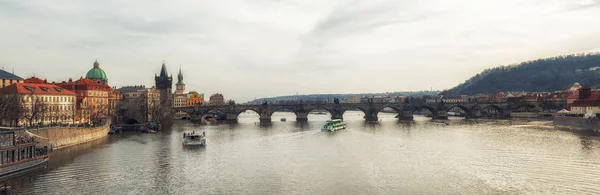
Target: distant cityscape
37,101
87,100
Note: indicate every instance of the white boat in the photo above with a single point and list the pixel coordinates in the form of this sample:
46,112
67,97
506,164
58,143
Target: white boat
334,125
193,139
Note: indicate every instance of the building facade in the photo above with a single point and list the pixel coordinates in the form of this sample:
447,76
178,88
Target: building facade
180,99
216,100
42,104
137,102
164,83
95,99
9,78
194,99
584,101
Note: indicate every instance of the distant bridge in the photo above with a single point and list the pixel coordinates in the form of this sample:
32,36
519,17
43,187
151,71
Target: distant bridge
439,110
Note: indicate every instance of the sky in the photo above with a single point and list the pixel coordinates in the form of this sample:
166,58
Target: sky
264,48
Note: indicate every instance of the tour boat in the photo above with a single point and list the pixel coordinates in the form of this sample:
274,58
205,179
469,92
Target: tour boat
193,139
21,152
334,125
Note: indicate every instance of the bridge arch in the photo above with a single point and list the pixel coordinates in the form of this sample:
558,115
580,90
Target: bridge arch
466,111
282,110
492,111
525,107
432,110
246,109
212,112
364,111
388,111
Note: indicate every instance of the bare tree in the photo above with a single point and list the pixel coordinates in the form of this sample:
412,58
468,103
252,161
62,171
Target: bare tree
135,108
97,112
11,108
34,109
163,112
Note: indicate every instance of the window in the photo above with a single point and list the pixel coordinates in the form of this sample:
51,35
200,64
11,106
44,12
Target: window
46,89
29,88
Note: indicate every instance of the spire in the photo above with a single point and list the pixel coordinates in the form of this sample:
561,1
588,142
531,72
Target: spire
180,77
163,70
96,64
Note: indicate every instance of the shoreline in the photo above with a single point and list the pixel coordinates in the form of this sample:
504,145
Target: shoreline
61,137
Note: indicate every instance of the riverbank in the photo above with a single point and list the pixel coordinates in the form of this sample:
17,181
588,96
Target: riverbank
61,137
586,124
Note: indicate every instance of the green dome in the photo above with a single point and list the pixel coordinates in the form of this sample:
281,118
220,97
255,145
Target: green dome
97,73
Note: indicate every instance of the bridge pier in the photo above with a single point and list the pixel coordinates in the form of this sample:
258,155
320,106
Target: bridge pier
301,116
231,117
195,117
405,115
441,115
264,118
337,115
473,114
371,116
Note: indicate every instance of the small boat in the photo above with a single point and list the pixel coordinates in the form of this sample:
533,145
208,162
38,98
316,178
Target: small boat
283,119
148,130
334,125
193,139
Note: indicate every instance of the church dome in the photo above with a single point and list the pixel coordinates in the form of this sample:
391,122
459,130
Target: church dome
96,73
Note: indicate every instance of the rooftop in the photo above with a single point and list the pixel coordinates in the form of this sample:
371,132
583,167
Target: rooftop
35,88
8,75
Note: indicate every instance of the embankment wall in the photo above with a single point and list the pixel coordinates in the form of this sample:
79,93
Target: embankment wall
578,122
61,137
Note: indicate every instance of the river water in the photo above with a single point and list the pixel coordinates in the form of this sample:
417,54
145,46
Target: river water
385,157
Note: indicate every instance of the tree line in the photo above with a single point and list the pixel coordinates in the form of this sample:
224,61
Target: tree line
548,74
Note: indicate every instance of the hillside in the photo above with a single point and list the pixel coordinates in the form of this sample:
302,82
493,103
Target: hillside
549,74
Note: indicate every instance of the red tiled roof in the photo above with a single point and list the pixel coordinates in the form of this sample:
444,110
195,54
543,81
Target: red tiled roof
84,84
585,103
37,89
34,80
595,95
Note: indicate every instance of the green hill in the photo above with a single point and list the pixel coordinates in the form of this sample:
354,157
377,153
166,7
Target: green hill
549,74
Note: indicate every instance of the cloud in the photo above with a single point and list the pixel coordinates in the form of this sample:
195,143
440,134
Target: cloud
248,49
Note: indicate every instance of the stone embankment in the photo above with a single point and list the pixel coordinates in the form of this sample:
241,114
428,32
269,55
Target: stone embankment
592,124
61,137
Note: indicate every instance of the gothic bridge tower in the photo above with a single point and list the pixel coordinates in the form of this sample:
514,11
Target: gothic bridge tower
164,83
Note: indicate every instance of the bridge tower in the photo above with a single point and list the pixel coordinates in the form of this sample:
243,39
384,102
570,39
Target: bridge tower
164,83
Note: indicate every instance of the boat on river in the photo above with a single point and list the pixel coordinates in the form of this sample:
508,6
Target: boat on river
334,125
193,139
20,152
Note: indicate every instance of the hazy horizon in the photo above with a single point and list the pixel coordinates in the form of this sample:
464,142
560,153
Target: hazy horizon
269,48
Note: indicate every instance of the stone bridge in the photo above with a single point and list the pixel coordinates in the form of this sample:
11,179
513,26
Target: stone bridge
405,111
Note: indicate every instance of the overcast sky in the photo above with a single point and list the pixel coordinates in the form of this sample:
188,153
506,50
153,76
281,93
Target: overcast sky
259,48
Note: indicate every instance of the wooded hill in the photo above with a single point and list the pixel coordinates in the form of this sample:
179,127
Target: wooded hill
549,74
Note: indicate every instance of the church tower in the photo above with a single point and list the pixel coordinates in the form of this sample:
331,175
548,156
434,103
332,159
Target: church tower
180,86
164,83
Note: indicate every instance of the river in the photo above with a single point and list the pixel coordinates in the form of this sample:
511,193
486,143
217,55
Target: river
385,157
